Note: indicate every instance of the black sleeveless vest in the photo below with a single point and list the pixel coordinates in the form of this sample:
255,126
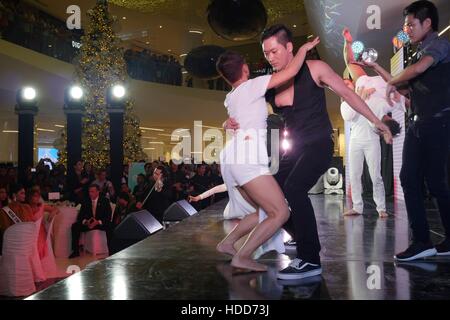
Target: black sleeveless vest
307,119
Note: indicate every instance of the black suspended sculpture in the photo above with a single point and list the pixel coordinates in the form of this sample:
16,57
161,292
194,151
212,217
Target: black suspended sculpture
237,20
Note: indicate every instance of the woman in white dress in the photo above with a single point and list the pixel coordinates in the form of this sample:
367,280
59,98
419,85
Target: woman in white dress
246,172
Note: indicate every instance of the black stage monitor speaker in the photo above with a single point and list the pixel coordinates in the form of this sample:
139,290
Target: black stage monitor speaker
179,211
137,226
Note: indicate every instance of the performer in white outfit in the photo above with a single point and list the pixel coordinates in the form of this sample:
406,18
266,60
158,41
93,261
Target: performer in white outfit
232,210
244,160
364,140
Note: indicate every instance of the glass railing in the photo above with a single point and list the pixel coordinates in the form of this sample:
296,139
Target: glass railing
34,29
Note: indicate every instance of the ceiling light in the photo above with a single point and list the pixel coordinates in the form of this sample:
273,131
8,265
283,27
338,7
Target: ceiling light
151,129
45,130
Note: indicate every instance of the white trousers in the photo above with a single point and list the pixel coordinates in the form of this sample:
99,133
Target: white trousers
371,151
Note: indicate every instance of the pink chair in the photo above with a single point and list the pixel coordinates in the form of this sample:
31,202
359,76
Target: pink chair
16,269
95,242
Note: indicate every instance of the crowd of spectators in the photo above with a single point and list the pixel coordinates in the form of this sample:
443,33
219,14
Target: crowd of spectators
147,66
32,28
157,188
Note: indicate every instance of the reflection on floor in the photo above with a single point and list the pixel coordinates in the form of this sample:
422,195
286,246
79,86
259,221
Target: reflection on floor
181,263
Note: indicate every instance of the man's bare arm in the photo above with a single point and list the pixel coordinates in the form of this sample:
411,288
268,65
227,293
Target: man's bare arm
326,76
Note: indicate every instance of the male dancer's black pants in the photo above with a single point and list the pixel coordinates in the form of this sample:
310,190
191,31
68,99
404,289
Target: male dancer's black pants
425,156
299,171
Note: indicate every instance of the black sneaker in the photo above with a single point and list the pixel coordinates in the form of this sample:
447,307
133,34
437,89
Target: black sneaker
443,248
416,250
299,269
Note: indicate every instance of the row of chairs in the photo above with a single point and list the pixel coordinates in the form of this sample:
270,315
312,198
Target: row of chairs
21,266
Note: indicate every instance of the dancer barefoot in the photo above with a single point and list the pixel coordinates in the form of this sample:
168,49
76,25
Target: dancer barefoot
312,148
246,103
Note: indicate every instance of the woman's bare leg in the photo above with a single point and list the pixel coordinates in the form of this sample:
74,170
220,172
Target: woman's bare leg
245,225
266,193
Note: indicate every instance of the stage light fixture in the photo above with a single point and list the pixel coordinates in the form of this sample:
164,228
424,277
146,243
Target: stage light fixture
76,93
118,91
116,96
27,97
358,47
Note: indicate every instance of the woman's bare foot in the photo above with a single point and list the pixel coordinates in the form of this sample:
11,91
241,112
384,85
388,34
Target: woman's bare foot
351,212
247,265
383,214
226,248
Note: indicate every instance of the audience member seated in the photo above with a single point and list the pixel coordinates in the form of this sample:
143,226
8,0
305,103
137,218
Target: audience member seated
141,189
201,183
125,189
125,205
3,197
77,183
176,180
88,172
16,211
95,213
106,186
160,194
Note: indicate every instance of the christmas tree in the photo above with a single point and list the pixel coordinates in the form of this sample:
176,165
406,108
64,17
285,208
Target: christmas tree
99,66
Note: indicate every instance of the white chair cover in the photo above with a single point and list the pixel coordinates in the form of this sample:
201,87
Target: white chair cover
16,272
48,261
96,242
38,271
62,232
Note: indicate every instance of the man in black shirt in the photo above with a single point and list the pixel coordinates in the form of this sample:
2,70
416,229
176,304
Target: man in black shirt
426,146
309,127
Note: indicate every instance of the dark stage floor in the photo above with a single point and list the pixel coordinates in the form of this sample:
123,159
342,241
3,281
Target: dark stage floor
181,263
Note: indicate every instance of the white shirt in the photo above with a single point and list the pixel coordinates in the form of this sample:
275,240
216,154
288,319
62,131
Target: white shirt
362,129
247,103
94,207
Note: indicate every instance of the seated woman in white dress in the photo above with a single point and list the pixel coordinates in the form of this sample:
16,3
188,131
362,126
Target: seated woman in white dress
246,172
